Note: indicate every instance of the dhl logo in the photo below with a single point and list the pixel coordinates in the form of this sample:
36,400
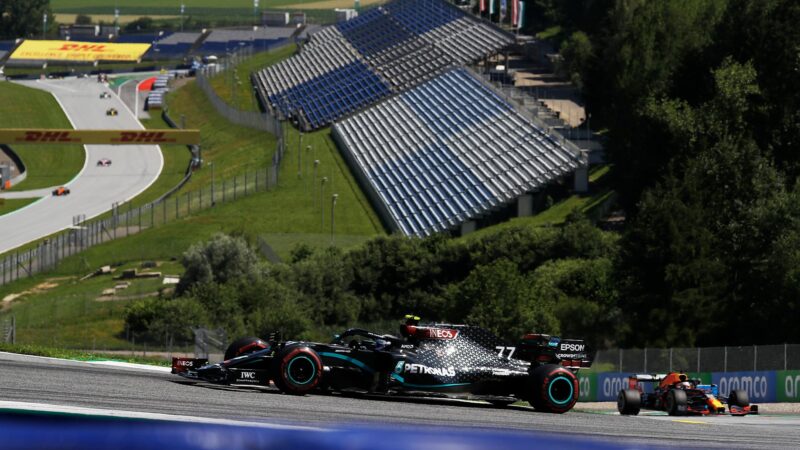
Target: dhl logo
144,136
97,48
47,136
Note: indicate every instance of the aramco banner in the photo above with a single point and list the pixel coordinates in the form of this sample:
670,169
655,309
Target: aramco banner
112,137
79,51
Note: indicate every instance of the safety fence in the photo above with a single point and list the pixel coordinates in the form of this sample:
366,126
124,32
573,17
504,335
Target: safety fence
704,359
125,220
227,69
8,330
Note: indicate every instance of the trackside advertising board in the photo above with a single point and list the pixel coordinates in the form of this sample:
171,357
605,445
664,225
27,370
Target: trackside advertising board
788,385
79,51
113,137
761,386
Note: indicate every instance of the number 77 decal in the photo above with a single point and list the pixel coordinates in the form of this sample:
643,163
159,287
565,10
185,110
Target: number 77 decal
503,349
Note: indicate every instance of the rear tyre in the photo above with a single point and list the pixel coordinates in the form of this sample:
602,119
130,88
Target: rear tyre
677,402
244,346
629,402
739,397
297,370
554,389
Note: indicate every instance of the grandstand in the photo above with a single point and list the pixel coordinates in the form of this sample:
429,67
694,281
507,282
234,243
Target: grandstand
446,152
173,46
222,41
387,49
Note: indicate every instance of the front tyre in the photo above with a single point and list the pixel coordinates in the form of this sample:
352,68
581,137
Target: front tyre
739,398
297,370
677,402
554,389
629,402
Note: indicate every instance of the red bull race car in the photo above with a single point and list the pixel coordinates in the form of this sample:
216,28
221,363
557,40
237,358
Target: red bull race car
432,360
679,395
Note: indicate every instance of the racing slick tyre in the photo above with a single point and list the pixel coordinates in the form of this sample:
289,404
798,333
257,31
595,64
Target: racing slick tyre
553,389
244,346
677,402
629,402
738,397
297,370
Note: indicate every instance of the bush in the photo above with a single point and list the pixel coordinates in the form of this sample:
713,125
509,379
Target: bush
220,260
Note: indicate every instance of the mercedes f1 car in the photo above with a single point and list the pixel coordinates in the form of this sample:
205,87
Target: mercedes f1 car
679,395
433,360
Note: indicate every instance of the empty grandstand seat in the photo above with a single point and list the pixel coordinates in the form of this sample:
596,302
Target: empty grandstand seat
446,151
403,44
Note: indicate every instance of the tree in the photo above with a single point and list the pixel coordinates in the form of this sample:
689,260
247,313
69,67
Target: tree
221,259
499,298
83,19
23,18
577,54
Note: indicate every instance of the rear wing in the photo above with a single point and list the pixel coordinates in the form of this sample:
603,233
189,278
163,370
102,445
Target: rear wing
546,349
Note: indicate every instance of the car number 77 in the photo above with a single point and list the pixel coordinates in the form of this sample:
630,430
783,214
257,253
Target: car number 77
503,349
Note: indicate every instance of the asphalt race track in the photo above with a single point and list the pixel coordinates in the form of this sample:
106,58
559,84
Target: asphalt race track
95,189
79,384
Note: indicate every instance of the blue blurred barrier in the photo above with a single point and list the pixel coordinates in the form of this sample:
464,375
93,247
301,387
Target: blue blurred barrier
62,431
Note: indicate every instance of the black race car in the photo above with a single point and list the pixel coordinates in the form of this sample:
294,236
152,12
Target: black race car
434,360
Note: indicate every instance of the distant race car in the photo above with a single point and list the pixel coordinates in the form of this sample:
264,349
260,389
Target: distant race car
60,191
680,396
112,112
105,95
434,360
104,162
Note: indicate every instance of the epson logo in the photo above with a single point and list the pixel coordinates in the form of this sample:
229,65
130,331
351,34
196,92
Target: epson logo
566,347
422,369
247,375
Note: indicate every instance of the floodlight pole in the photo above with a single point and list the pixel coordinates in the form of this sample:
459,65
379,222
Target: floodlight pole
333,210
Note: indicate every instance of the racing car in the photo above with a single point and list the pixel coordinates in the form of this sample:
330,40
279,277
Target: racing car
61,191
105,95
112,112
432,360
679,395
103,162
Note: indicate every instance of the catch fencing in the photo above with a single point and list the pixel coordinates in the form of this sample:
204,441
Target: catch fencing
126,220
209,342
704,359
250,119
8,330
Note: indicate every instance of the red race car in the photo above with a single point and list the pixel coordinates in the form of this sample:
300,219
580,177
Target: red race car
61,191
679,395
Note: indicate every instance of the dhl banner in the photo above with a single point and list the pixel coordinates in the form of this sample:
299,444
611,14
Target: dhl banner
113,137
79,51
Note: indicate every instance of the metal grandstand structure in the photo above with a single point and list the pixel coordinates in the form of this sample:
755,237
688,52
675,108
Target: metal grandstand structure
388,49
448,151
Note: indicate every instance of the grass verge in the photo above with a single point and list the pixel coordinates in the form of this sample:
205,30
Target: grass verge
8,205
47,165
37,350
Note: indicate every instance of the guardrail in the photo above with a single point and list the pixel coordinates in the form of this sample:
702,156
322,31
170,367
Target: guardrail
8,330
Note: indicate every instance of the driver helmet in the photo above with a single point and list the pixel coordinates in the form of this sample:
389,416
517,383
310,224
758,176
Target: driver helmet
686,385
409,325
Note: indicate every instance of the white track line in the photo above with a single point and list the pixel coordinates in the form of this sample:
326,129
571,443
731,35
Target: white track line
78,410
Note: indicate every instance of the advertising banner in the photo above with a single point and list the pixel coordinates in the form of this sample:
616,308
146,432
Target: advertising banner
760,386
788,385
113,137
79,51
587,382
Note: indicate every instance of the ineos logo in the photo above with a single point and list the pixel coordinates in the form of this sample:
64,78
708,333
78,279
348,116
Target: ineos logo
755,386
792,386
439,333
